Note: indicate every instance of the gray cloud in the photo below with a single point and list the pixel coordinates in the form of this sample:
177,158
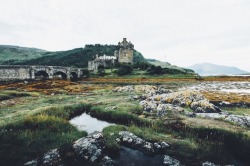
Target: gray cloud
181,32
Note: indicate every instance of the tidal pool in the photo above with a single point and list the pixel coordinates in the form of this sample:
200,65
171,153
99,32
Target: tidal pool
88,123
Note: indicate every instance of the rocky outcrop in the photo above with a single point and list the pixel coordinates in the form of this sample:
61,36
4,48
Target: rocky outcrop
50,158
90,147
177,101
132,140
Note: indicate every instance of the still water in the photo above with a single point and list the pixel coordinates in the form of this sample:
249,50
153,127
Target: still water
88,123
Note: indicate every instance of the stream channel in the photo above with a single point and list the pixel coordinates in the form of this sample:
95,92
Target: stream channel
127,156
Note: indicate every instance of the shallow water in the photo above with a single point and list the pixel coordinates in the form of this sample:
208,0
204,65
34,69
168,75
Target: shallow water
88,123
131,157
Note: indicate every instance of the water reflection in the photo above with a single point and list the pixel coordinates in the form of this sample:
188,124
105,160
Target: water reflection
88,123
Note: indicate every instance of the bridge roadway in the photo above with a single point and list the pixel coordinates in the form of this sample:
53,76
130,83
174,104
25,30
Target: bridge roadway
23,72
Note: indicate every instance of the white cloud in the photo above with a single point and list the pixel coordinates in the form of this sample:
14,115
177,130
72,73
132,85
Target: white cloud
181,32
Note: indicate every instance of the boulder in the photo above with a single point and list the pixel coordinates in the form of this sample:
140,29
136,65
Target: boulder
51,158
169,161
107,161
90,147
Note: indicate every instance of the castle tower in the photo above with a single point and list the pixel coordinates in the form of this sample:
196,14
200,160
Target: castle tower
125,52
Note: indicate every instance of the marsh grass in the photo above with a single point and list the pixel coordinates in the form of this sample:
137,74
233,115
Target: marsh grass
35,134
10,94
237,110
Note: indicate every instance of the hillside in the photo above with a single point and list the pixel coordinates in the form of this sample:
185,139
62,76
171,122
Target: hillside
78,57
171,68
16,53
213,69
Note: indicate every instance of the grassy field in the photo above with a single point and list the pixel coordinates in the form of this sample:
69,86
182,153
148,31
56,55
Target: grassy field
35,117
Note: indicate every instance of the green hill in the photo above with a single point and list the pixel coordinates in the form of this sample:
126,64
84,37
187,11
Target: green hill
16,54
170,68
79,57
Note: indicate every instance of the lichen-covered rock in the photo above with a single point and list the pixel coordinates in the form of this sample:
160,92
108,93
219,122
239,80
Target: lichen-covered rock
52,158
90,147
169,161
242,120
167,101
204,106
132,140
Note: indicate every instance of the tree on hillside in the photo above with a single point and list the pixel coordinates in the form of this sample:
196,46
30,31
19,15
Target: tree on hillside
155,70
141,65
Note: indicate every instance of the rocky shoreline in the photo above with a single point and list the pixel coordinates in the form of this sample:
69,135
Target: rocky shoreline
160,101
91,151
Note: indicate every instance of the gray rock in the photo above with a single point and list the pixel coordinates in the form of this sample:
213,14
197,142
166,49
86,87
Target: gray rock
149,147
164,145
169,161
132,140
242,120
51,158
207,163
107,161
89,147
32,163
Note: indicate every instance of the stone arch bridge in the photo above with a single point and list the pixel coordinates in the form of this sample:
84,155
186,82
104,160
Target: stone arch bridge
38,72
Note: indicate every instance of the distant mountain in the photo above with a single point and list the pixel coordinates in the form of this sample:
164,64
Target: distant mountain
213,69
78,57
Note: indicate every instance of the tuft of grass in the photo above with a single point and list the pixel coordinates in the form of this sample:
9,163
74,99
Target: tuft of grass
138,110
110,134
118,116
68,111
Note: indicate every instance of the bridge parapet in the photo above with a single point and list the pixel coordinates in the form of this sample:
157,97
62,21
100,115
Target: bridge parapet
31,72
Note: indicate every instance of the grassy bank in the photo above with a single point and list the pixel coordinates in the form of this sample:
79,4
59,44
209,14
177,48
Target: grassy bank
28,138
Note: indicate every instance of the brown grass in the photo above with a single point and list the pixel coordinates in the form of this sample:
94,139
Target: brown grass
228,97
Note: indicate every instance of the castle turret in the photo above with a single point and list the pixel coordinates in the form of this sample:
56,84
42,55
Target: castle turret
126,50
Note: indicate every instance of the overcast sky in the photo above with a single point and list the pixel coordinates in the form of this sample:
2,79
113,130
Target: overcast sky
182,32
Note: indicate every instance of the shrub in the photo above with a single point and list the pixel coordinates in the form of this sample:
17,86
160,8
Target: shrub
155,70
101,70
124,69
85,73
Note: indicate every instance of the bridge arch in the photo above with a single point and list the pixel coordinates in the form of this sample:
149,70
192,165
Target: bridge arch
41,74
73,75
60,74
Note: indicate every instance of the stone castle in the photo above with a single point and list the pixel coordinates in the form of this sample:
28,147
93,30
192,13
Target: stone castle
123,54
